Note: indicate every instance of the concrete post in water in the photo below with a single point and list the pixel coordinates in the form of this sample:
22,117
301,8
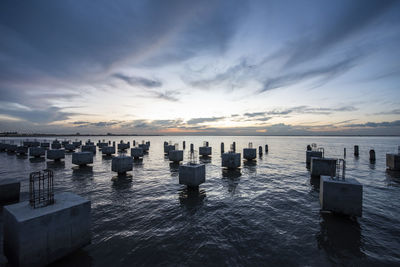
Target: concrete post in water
113,144
356,152
309,148
137,152
249,153
175,155
191,148
134,143
184,144
55,154
82,158
36,152
372,157
230,160
344,152
205,150
192,175
266,148
260,151
393,162
121,164
108,150
222,148
323,166
234,147
9,191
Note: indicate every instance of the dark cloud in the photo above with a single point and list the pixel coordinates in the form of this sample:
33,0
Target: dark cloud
46,115
202,120
137,81
323,74
375,124
390,112
348,20
300,110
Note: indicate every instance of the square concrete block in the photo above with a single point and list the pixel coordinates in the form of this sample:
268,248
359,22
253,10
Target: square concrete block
175,155
250,153
123,146
36,152
82,158
77,144
341,196
393,162
45,145
315,154
168,148
100,145
108,150
137,152
323,166
205,151
12,148
9,191
89,148
55,146
145,147
69,147
22,150
122,164
192,175
37,237
231,160
56,154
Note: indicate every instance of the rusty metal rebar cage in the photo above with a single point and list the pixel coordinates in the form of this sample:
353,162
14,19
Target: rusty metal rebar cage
41,188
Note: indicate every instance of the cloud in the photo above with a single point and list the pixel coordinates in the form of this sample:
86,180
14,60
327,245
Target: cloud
375,124
202,120
47,115
322,73
390,112
137,81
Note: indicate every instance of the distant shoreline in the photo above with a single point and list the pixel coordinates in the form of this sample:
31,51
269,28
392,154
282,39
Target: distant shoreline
115,135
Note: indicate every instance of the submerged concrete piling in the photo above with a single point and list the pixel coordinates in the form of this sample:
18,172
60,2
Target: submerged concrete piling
230,160
108,150
344,152
249,153
356,150
40,236
393,162
89,148
184,144
22,150
137,152
82,158
205,150
260,152
323,166
192,175
69,147
266,148
191,148
55,154
122,164
222,148
175,155
234,147
372,157
36,152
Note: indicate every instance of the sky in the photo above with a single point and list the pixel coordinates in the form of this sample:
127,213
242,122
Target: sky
307,67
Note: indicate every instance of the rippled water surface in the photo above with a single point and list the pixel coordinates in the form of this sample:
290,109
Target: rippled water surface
266,213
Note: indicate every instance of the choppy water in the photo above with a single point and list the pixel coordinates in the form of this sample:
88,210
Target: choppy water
267,213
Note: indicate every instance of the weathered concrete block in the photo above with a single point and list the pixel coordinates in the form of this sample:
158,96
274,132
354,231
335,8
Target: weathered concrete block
36,152
82,158
393,162
89,149
341,196
9,191
108,150
56,154
77,144
205,151
37,237
145,147
69,147
12,148
102,144
137,152
45,145
231,160
175,155
123,146
22,150
64,143
55,146
323,166
314,154
89,143
122,164
168,148
250,153
192,175
31,143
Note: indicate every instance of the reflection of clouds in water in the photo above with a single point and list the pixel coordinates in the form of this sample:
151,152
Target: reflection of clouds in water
340,237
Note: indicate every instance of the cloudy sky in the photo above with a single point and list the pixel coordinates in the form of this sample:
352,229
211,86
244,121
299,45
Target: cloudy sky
200,67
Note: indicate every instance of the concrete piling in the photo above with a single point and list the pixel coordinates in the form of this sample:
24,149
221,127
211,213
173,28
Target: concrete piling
122,164
356,150
266,148
260,152
192,175
372,157
222,148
